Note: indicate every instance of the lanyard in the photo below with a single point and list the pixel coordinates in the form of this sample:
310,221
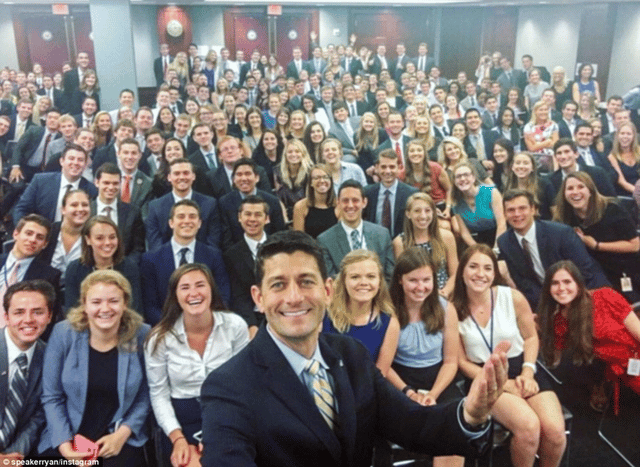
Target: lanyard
488,344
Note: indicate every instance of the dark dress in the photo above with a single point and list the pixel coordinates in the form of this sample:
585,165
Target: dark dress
631,174
267,164
371,334
289,196
319,219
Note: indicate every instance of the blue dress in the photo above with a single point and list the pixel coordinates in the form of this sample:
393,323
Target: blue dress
371,334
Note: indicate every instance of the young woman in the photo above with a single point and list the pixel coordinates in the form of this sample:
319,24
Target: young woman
426,363
560,86
454,111
314,135
598,143
240,119
523,176
166,121
93,379
125,113
291,175
605,228
423,133
508,127
367,138
625,158
102,248
268,153
210,68
102,129
428,177
273,69
382,112
192,109
89,87
312,113
422,229
540,134
587,107
193,338
65,244
297,125
451,151
271,114
317,211
361,307
503,156
255,127
585,83
282,123
331,151
587,324
459,130
264,91
477,209
516,103
533,90
490,313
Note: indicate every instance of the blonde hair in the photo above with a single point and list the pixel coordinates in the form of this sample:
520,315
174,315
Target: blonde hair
130,321
438,250
364,137
339,307
536,106
428,141
616,149
442,159
305,165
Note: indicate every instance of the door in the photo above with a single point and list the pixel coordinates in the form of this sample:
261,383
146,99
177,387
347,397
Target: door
292,31
248,32
47,42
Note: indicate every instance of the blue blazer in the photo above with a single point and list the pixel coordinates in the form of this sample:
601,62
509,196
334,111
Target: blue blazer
65,378
403,192
41,196
555,242
31,417
157,266
255,411
157,221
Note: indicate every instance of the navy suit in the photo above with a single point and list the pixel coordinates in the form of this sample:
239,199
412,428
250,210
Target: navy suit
41,195
555,242
221,185
31,416
232,231
130,226
14,123
27,146
292,69
488,137
158,69
256,412
598,175
70,82
157,266
403,191
355,65
241,268
157,221
387,145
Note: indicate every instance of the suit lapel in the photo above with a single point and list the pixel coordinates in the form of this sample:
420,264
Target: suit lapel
247,257
372,205
287,387
541,239
35,368
4,371
342,242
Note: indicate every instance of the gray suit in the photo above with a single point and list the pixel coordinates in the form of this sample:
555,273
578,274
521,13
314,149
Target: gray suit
336,246
31,418
141,192
337,131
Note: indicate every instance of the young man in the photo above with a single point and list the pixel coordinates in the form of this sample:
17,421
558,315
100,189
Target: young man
181,176
471,101
89,109
50,91
387,199
440,125
531,246
245,180
21,121
161,64
397,141
566,154
253,216
352,233
28,310
276,383
124,129
343,129
67,127
72,78
583,136
126,216
143,121
568,122
182,125
154,140
135,186
45,192
490,116
126,99
480,139
423,62
614,103
157,265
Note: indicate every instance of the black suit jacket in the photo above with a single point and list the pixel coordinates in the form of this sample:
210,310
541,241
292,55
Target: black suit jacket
488,137
355,66
130,226
158,69
403,191
598,175
292,69
256,404
246,68
12,127
240,267
221,186
232,231
555,242
58,96
387,145
70,82
197,159
397,72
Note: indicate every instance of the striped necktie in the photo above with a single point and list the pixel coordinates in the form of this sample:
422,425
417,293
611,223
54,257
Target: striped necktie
322,393
15,401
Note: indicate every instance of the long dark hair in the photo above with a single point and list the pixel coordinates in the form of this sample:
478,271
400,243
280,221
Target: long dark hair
431,312
312,148
579,317
171,309
163,170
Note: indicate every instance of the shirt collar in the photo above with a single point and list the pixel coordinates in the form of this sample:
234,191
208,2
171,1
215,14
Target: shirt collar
176,198
297,361
348,229
253,244
530,236
100,205
176,247
392,188
13,351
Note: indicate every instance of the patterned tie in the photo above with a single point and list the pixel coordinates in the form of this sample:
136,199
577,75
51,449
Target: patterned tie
108,210
210,160
20,130
126,191
322,393
183,258
15,401
354,112
386,210
526,248
399,154
479,145
355,240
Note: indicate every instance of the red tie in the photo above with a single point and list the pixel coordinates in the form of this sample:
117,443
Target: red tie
126,192
400,162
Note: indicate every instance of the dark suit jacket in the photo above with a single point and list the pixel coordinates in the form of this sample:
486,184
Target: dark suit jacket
197,158
355,66
232,231
157,266
74,107
256,403
240,267
488,137
518,79
602,162
158,231
58,96
336,246
402,194
31,416
387,145
70,82
555,242
430,63
375,64
397,72
221,185
246,68
130,226
158,69
12,128
41,196
606,128
141,193
361,108
27,145
292,70
599,176
563,128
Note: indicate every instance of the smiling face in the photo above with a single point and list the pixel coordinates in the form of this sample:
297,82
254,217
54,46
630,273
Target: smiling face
317,134
500,154
73,164
194,294
181,177
129,156
522,166
293,155
362,281
185,223
563,287
422,126
417,285
320,181
387,170
420,214
416,154
103,240
351,204
519,214
76,211
566,158
464,179
30,240
108,187
245,179
577,194
27,318
104,306
294,297
478,273
625,136
172,151
452,153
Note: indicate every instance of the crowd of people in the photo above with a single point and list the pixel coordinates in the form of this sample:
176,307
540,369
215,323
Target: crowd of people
440,215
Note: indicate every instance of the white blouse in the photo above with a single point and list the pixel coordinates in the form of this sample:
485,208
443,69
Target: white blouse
175,370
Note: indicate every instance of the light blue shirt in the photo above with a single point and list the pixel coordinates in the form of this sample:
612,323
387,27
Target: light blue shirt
350,171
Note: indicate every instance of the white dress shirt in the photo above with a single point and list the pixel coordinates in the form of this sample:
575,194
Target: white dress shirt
253,244
100,210
175,370
177,256
348,231
530,236
14,352
61,192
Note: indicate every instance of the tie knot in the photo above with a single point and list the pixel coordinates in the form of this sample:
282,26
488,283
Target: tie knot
387,193
127,178
184,251
22,361
313,366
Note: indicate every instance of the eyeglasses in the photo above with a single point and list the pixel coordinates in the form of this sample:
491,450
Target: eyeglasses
462,175
320,177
